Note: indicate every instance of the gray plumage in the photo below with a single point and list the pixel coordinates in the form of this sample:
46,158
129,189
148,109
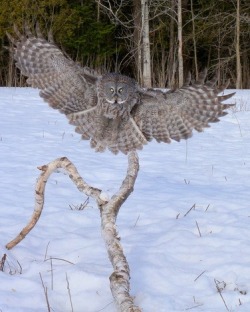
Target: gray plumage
113,111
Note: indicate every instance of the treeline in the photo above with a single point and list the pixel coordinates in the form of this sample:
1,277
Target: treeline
149,40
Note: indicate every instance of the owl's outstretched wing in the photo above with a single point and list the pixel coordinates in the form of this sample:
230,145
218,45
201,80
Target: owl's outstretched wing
63,83
174,115
73,91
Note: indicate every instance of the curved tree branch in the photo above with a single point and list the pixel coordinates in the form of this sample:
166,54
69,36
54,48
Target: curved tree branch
47,170
119,279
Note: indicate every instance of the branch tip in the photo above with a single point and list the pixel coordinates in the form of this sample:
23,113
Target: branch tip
43,167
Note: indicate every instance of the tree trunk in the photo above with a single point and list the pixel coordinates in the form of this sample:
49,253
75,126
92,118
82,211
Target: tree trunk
180,41
146,45
137,39
238,58
194,42
171,59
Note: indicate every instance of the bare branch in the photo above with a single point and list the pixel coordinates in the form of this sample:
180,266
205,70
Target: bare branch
40,188
69,292
45,289
119,279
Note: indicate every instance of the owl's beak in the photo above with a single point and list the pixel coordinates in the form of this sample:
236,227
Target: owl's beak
116,98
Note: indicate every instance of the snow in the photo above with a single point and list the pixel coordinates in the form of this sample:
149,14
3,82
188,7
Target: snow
185,229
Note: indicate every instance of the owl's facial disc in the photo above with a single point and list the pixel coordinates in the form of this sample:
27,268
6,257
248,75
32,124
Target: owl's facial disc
116,95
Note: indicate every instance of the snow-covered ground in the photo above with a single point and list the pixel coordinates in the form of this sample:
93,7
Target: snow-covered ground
179,257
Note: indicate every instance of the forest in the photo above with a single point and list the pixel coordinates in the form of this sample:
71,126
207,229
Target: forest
157,42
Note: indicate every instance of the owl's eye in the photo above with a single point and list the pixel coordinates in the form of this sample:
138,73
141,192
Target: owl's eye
120,90
112,90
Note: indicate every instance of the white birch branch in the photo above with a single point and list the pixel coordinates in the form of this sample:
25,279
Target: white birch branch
47,170
119,279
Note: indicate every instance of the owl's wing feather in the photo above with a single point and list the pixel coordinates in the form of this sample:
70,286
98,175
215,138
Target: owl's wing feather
174,115
63,83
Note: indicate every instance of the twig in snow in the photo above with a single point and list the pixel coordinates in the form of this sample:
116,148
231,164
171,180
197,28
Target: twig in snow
2,262
55,258
46,252
207,207
198,228
52,274
71,304
193,207
196,306
136,221
45,289
104,308
199,276
81,206
219,291
21,269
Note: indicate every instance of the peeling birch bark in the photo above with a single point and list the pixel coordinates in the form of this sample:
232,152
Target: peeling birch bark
119,279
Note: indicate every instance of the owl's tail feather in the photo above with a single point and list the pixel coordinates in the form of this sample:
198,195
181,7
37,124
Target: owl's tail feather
129,137
119,134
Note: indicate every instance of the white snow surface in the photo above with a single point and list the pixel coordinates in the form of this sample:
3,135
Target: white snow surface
177,256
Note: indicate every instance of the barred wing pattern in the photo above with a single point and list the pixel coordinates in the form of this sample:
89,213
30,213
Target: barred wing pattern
64,84
174,115
149,114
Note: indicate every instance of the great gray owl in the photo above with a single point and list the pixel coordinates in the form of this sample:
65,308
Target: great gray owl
113,111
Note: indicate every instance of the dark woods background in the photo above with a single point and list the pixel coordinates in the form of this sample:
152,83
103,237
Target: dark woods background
156,41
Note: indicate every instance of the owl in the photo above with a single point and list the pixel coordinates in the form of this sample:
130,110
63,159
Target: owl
112,111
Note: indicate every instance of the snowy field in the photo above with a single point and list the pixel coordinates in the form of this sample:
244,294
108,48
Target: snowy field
181,259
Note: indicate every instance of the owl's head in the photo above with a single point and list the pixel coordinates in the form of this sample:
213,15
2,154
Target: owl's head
117,95
117,89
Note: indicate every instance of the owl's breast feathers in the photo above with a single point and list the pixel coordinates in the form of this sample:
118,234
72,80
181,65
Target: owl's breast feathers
109,126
